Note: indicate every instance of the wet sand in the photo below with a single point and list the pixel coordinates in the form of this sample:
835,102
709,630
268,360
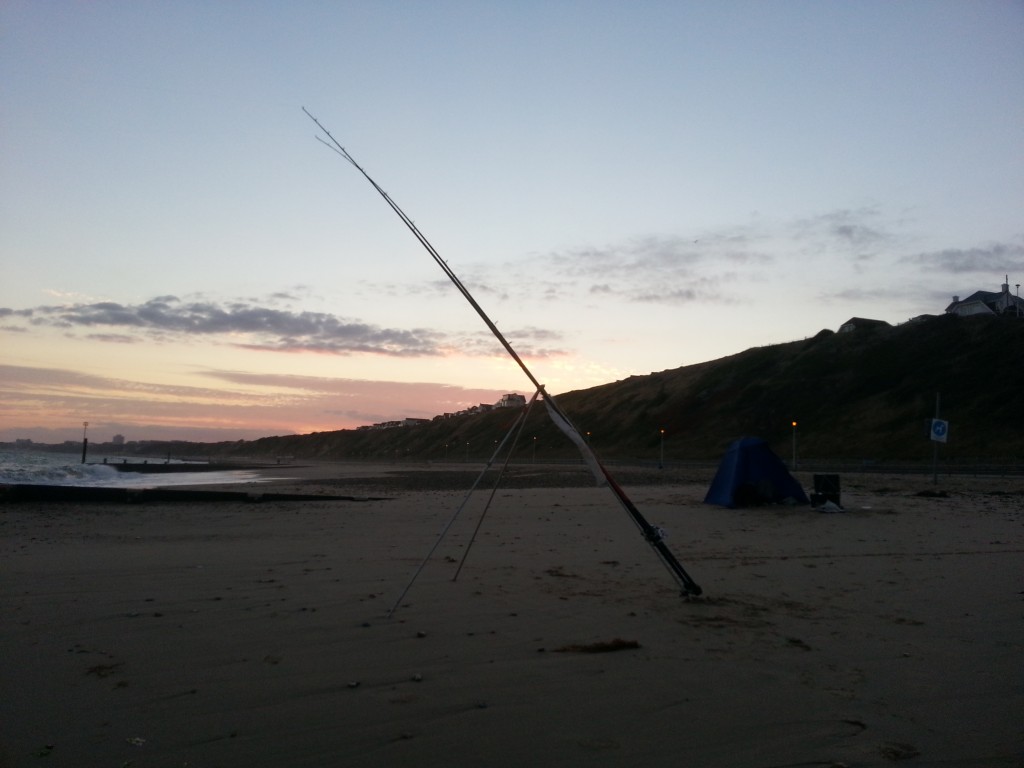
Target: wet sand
255,634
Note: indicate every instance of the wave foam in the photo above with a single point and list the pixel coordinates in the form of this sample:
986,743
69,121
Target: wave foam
48,469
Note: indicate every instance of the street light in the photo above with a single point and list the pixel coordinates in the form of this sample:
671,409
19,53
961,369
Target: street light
85,440
794,445
661,457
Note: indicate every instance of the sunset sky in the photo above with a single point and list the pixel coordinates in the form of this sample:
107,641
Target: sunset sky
625,187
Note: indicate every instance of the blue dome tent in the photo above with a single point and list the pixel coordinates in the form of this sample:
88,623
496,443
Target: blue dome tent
751,474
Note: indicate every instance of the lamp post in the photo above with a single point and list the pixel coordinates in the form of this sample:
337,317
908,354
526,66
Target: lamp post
661,454
794,445
85,440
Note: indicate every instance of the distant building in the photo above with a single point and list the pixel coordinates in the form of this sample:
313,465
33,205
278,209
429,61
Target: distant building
408,422
511,401
861,322
989,303
118,440
507,401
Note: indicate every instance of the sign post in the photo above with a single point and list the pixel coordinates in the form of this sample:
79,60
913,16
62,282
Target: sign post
85,440
938,433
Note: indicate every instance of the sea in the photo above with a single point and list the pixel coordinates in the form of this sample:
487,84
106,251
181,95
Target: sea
43,468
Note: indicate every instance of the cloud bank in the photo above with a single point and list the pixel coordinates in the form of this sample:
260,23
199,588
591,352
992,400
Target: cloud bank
51,403
991,259
250,325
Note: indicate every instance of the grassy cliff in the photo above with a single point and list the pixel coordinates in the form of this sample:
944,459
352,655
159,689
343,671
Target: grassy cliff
859,396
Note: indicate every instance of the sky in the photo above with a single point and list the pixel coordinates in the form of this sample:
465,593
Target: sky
625,187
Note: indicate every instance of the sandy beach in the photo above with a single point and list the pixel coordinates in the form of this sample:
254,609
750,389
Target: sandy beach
255,634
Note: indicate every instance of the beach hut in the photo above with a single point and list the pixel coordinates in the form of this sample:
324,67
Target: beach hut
751,474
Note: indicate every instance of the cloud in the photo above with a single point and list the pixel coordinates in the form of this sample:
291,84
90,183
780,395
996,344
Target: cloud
114,338
997,258
630,259
6,312
661,269
246,324
44,403
673,269
256,326
922,289
528,342
16,378
535,343
334,388
51,401
677,296
872,295
859,233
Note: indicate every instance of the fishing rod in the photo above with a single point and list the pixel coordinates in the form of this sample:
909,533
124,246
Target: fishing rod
411,225
652,534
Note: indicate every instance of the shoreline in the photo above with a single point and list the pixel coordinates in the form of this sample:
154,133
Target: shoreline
181,466
322,479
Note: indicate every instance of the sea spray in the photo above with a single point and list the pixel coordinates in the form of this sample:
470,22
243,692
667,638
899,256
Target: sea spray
26,467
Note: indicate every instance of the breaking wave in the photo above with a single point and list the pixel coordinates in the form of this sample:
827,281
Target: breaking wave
29,468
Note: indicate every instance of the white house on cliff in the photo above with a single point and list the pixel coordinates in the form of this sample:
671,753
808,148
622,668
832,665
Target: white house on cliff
989,302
